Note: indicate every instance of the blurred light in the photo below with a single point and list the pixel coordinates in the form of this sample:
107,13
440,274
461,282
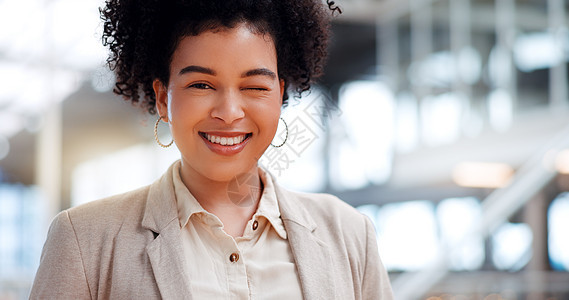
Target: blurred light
558,241
364,140
304,147
22,99
407,235
34,123
473,122
482,175
537,51
549,160
500,66
562,161
441,118
406,122
67,28
11,123
511,246
500,109
443,69
14,77
76,32
4,148
103,80
458,218
104,176
22,233
46,46
469,65
347,168
23,28
436,70
9,196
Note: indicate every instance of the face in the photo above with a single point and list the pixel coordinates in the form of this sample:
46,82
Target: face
222,101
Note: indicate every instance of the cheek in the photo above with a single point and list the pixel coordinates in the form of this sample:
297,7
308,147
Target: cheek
184,114
270,120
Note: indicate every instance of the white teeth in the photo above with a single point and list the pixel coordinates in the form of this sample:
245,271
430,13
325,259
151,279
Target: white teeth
229,141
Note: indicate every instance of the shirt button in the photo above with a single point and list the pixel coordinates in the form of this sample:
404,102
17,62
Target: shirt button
234,257
255,225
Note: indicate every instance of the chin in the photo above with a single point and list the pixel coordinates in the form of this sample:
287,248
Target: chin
225,172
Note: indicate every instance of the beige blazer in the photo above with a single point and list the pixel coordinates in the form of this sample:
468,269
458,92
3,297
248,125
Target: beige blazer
129,247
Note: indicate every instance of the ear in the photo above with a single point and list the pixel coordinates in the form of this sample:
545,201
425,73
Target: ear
282,86
161,94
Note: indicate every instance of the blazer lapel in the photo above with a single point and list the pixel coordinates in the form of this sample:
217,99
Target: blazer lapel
168,264
312,256
165,252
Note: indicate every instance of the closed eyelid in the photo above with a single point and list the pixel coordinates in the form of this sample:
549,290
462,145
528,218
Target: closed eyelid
258,88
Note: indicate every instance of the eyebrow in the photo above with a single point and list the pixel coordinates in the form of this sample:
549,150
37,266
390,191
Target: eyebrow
208,71
197,69
260,71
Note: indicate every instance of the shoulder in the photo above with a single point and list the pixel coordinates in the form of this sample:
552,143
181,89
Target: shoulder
85,240
325,204
101,225
328,212
108,212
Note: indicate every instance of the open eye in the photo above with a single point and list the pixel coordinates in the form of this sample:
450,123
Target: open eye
200,86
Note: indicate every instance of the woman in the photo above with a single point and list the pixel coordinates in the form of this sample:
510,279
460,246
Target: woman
215,226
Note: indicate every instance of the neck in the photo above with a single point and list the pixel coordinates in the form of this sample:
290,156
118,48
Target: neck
234,201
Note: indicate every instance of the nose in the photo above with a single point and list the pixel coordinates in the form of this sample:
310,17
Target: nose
228,107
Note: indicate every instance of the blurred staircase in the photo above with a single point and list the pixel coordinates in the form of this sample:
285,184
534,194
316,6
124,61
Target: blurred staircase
497,208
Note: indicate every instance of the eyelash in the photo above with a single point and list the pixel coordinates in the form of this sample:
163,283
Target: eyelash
201,86
257,89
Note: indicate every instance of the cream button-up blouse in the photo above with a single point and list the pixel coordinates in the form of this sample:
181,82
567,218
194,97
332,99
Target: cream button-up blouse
258,265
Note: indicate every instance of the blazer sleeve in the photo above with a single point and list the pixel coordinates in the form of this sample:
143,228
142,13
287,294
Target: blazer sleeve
61,274
375,283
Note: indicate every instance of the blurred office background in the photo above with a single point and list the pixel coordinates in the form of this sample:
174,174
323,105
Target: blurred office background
446,122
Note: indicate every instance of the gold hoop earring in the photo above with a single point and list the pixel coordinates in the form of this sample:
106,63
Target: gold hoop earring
156,135
286,137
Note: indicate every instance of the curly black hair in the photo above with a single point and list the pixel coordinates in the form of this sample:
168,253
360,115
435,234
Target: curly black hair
142,36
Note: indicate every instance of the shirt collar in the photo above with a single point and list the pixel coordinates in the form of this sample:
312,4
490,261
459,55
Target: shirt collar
268,207
186,202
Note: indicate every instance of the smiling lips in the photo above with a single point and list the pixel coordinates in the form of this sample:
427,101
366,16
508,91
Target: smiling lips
226,143
230,141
